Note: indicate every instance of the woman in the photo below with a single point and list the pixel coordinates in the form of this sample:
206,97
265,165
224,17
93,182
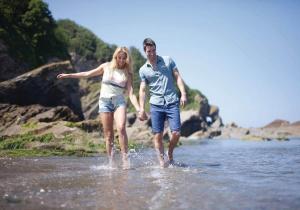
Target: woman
116,81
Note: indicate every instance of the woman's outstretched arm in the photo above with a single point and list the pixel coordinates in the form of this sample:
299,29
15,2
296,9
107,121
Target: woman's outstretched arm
86,74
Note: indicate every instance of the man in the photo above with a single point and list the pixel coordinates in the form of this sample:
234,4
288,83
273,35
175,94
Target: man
159,73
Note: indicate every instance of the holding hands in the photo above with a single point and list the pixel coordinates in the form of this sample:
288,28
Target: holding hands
142,115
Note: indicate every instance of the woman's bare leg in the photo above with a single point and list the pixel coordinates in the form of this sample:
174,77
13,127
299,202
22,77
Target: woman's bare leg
107,122
120,119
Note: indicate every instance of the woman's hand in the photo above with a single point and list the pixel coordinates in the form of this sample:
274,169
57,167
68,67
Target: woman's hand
62,76
142,115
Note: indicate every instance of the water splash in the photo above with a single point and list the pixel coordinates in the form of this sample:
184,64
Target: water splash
107,167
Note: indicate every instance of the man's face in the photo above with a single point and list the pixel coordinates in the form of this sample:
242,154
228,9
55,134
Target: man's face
150,52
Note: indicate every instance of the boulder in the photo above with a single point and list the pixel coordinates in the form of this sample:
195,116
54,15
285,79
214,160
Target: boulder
140,132
213,113
190,122
131,117
40,86
11,114
204,108
90,126
217,123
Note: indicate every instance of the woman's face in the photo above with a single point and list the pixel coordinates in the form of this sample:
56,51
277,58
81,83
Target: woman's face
121,59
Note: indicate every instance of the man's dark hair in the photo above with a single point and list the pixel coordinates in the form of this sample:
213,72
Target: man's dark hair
148,42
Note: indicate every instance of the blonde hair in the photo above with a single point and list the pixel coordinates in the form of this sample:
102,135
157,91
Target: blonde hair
128,64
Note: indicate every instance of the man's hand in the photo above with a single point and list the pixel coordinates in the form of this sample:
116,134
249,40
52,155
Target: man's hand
142,115
183,100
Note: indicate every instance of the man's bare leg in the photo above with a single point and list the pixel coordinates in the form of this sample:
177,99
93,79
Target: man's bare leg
173,142
160,149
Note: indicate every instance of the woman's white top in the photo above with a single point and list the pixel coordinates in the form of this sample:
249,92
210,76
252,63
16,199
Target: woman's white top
113,82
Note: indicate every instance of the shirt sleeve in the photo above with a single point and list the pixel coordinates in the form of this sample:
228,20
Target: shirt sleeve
172,64
142,77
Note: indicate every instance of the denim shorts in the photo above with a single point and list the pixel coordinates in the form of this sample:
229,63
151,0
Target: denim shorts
111,104
161,113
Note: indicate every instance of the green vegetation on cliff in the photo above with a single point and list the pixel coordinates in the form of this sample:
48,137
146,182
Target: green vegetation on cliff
29,144
29,31
83,42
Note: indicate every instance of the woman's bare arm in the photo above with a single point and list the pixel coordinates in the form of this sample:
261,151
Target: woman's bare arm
86,74
132,97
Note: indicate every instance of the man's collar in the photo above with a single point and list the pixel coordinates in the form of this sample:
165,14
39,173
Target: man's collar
158,60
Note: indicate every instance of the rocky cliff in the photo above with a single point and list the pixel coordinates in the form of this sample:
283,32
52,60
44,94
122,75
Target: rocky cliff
39,91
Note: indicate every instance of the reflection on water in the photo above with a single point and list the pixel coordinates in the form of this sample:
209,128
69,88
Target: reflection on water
227,174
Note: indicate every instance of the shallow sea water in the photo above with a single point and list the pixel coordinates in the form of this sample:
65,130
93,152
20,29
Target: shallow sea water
210,174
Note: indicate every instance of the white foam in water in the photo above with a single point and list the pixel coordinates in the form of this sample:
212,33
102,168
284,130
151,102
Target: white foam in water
156,173
132,151
107,167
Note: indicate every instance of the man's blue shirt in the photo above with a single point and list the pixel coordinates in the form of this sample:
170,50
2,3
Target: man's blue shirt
161,81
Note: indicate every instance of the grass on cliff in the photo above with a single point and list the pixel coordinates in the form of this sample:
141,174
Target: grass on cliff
45,145
30,125
30,145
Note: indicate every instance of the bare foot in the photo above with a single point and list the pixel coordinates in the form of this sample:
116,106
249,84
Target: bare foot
163,164
126,162
170,156
171,162
111,162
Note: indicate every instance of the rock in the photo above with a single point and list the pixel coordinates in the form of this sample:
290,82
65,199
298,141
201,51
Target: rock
190,126
199,135
217,123
57,113
297,123
131,117
140,134
190,122
209,134
231,125
213,113
81,63
90,126
214,133
229,132
89,88
13,199
90,92
277,123
204,108
17,115
40,86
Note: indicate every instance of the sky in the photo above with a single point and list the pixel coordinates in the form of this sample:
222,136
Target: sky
243,55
